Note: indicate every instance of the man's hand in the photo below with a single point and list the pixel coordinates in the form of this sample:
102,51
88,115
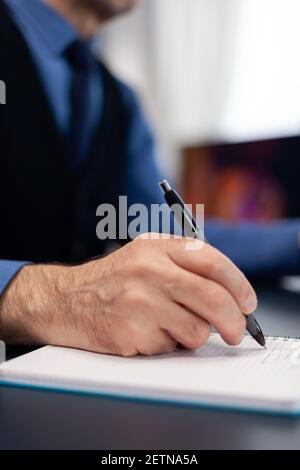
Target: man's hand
143,299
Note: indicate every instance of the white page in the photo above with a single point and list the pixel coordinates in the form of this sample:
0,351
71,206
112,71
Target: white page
215,374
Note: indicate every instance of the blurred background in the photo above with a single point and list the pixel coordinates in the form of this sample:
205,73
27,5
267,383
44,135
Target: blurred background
220,83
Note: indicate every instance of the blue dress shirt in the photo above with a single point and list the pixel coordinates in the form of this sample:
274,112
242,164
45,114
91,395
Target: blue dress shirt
255,248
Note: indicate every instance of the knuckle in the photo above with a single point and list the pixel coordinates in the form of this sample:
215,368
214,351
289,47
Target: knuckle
135,299
140,266
144,267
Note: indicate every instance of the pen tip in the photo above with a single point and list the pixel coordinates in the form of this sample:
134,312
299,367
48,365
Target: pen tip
265,347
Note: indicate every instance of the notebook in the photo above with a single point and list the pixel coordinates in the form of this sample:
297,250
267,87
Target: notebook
216,375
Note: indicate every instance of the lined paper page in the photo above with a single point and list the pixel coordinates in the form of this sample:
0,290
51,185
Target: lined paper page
247,372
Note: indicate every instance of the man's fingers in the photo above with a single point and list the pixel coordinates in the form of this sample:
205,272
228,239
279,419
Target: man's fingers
210,263
184,326
160,342
211,302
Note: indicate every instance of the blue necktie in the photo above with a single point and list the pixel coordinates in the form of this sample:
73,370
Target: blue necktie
82,62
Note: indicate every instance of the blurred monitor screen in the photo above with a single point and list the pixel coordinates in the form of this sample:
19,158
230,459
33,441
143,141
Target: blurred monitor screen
256,181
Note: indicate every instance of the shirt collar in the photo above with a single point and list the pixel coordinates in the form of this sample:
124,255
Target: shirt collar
53,30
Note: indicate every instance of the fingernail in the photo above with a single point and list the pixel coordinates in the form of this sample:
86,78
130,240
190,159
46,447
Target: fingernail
250,304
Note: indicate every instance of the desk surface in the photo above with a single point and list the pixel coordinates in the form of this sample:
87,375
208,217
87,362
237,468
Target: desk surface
43,420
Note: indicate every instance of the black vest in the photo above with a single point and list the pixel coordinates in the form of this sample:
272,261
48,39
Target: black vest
47,210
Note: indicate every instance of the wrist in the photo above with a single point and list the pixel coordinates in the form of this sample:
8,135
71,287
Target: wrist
31,303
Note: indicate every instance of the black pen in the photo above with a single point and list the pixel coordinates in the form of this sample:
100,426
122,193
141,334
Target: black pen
191,229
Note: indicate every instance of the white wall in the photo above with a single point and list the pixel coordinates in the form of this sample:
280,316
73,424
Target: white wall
263,99
211,69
